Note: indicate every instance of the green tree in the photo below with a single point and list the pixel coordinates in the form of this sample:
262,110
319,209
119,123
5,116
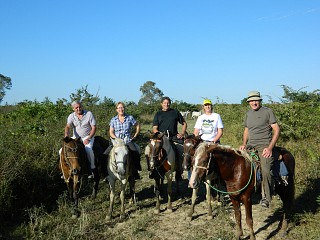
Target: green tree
84,96
291,95
5,83
150,93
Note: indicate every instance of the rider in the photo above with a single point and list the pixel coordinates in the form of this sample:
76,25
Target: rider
261,131
83,125
209,125
121,127
167,119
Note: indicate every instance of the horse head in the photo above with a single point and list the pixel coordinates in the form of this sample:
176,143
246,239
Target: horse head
71,153
119,156
189,147
201,163
156,152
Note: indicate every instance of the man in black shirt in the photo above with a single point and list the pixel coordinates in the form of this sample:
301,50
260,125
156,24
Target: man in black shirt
167,119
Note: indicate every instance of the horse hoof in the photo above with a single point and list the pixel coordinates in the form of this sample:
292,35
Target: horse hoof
74,216
157,211
169,210
283,233
209,217
108,218
189,218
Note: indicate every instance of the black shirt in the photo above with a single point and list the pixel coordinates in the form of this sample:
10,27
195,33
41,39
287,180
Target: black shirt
168,120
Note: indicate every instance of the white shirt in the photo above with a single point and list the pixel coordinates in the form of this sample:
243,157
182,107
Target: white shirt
208,126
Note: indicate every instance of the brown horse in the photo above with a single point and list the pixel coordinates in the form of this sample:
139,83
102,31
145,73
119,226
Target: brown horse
191,142
237,170
73,163
162,163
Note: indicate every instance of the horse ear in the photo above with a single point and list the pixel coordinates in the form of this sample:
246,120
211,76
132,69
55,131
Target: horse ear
198,137
66,139
160,135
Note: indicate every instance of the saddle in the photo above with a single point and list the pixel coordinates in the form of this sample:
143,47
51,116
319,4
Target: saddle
279,170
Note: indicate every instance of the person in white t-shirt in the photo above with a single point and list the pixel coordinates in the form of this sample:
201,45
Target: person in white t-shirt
209,125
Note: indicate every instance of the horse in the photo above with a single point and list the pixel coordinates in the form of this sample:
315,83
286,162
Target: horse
99,146
73,164
161,163
285,189
120,167
237,169
191,142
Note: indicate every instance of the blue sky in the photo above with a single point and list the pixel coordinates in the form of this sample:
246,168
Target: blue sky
218,49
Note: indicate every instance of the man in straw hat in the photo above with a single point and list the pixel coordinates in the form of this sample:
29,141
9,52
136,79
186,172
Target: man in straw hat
261,131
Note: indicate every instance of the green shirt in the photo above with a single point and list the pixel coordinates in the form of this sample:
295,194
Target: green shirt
259,126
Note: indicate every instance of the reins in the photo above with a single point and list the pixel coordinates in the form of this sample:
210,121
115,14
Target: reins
227,192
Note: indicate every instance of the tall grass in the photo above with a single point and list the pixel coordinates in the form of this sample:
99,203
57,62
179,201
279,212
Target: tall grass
33,201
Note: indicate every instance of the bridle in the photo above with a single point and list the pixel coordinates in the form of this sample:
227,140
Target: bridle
67,158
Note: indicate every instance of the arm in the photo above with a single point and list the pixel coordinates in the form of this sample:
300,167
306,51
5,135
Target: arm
267,152
137,125
111,132
91,134
66,130
244,138
196,132
183,130
219,135
155,129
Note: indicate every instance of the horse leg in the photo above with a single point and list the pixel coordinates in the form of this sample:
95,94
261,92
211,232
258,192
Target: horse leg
237,214
249,220
208,190
193,202
96,183
169,207
157,192
112,189
122,199
132,190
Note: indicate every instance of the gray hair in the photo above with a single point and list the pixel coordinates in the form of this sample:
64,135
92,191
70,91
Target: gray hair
75,103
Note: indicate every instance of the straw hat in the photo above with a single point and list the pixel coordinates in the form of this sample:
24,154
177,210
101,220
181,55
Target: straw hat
254,96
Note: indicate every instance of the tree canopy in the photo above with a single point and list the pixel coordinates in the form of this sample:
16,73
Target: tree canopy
5,84
150,93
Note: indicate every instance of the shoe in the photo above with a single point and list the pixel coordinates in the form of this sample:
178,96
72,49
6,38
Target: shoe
264,203
91,176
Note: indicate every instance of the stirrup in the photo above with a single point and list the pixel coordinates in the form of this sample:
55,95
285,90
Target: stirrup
285,180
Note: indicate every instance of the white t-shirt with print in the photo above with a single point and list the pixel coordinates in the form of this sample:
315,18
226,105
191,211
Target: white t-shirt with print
208,126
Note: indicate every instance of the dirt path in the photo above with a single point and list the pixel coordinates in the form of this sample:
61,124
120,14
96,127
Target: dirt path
175,225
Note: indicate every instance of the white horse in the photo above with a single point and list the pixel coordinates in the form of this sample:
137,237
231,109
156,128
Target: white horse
195,114
119,167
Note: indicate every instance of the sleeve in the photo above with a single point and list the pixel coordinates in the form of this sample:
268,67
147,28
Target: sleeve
219,123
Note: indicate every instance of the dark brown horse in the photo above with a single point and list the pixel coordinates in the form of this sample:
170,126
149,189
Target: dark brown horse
285,189
162,164
237,170
74,165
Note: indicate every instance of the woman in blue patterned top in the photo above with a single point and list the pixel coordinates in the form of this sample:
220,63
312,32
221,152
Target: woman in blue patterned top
122,126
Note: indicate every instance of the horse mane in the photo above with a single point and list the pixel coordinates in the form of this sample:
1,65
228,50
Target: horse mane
208,146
